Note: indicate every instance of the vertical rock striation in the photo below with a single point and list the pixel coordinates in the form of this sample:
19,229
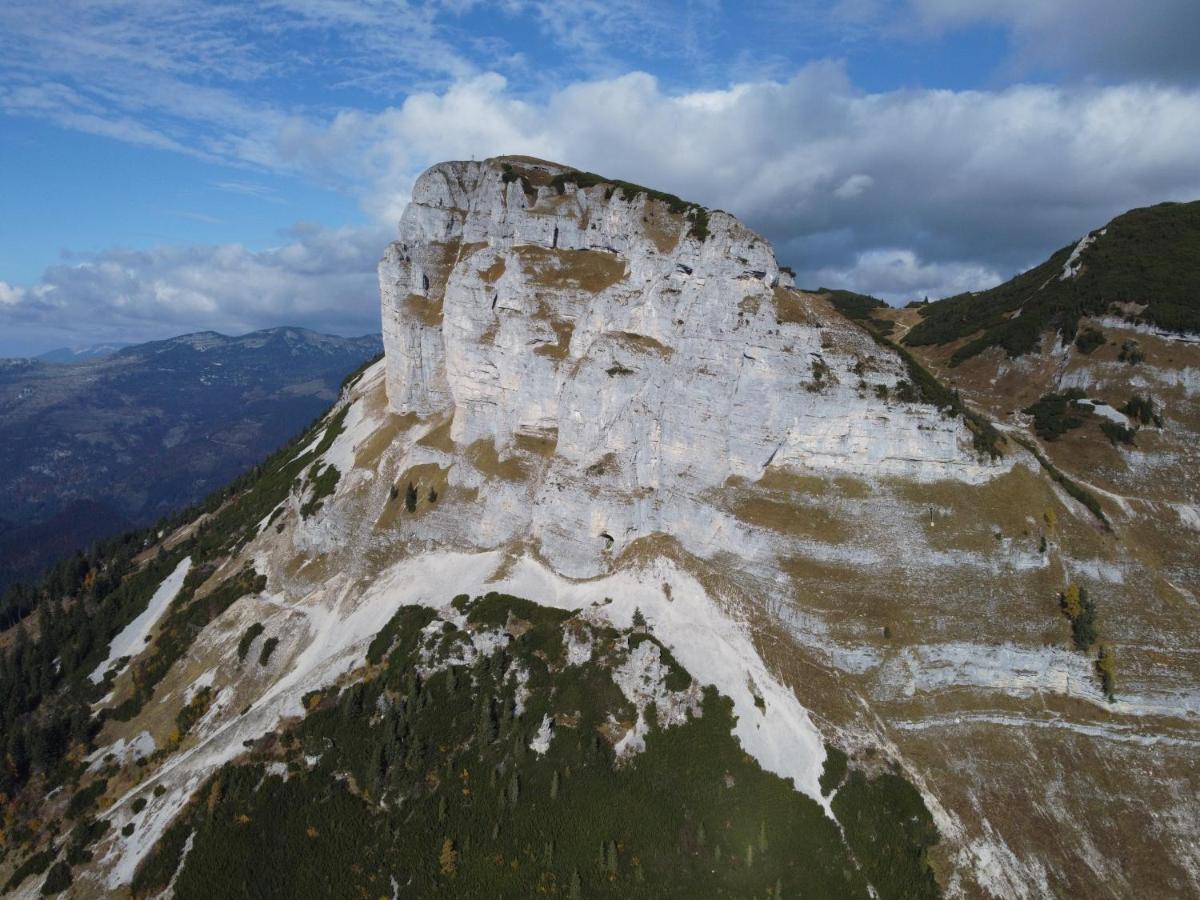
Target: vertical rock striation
634,350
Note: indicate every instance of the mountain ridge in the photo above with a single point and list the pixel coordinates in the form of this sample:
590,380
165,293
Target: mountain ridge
604,447
149,429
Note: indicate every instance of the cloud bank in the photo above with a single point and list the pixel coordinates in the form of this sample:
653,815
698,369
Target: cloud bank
902,193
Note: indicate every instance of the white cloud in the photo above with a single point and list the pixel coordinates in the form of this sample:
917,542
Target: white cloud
899,192
899,276
10,295
321,278
995,179
965,187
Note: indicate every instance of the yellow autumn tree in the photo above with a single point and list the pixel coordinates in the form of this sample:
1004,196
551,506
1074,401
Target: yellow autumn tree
448,858
1071,603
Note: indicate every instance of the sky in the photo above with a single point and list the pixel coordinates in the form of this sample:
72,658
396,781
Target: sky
170,166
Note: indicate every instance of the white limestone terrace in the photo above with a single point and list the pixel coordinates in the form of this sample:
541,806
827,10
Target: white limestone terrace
656,361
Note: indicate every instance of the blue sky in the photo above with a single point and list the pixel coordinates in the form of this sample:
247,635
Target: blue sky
169,166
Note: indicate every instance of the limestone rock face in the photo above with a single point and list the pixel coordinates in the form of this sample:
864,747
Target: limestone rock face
634,351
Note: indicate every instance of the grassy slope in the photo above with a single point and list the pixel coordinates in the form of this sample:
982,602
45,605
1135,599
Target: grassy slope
1148,257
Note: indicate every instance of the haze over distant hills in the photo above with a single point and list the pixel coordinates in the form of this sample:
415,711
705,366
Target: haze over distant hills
80,354
126,435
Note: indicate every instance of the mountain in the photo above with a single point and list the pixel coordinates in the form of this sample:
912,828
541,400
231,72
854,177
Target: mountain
111,442
1143,268
630,570
79,354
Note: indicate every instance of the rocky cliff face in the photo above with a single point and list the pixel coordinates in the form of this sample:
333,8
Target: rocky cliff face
611,402
635,353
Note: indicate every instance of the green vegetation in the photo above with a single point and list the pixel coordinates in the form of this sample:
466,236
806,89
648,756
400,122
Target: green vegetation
1080,493
1106,668
1079,609
1056,414
890,831
58,879
860,308
352,379
1131,353
324,481
268,648
834,771
193,711
247,639
1118,433
1142,409
34,865
84,799
922,386
428,786
184,620
1147,257
1089,339
696,214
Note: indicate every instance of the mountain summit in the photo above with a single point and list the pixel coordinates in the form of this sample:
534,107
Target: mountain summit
631,570
624,355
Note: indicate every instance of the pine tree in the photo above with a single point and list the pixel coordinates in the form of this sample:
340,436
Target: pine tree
410,497
576,886
701,834
762,837
610,858
554,785
514,789
749,856
487,722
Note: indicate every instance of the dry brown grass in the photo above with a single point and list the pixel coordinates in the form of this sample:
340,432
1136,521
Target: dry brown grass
424,477
563,330
968,517
539,443
775,478
587,270
643,343
493,272
792,519
794,307
426,310
483,456
370,451
662,227
438,437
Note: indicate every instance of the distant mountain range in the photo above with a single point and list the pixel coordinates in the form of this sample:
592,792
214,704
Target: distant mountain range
128,434
80,354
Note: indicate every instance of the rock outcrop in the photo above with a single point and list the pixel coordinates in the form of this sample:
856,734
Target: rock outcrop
635,350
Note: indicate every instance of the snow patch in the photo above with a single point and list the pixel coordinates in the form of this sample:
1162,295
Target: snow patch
541,741
132,639
1075,261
